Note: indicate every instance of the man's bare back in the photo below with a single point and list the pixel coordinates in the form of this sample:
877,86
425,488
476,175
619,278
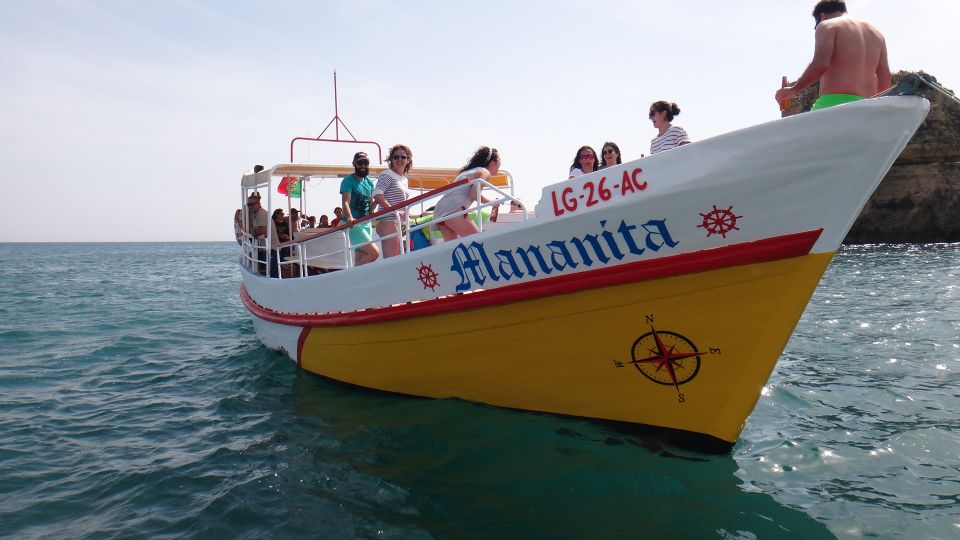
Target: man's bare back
858,50
850,57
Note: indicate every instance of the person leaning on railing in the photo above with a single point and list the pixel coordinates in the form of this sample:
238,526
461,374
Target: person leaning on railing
391,189
484,164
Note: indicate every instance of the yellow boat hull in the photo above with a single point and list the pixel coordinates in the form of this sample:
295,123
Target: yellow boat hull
623,352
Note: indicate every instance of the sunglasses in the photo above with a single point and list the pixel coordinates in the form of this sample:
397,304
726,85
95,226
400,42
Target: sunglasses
608,151
586,156
399,157
362,162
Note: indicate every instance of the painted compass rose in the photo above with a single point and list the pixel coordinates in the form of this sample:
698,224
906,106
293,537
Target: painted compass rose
427,276
719,221
666,358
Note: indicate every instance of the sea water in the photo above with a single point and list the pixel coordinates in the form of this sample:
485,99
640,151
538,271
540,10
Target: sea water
136,401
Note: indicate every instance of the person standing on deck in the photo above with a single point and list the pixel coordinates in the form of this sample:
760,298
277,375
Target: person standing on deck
356,190
392,189
849,59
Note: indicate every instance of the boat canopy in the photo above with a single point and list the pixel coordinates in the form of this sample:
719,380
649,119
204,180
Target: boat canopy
420,178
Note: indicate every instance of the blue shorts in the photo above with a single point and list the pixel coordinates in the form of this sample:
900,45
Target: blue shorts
360,234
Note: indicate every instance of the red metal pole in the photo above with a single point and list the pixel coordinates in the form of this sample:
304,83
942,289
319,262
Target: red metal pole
336,105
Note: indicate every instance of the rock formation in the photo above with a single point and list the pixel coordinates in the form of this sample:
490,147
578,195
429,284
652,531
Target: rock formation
919,199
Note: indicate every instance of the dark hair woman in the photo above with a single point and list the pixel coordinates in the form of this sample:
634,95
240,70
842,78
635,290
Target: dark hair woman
481,158
669,136
585,162
610,155
484,164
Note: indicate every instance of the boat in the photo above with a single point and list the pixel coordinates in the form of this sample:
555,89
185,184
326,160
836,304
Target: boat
659,292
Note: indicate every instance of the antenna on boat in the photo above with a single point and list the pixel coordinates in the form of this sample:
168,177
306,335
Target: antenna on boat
336,122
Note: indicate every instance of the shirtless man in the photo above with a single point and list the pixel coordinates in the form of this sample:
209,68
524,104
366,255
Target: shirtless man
849,59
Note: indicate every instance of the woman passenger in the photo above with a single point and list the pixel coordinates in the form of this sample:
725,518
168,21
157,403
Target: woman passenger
280,233
294,225
238,225
611,155
585,162
484,164
391,189
669,136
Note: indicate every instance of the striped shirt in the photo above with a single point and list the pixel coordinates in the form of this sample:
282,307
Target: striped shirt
671,138
393,187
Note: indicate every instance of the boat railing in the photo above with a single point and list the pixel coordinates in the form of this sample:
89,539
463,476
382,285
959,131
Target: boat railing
332,249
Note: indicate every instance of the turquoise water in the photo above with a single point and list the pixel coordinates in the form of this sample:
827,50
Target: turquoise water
135,401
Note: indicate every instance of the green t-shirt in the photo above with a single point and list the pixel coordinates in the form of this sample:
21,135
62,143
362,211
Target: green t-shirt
360,190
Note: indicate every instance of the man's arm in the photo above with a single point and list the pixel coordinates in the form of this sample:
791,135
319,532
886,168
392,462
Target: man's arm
825,38
346,216
884,79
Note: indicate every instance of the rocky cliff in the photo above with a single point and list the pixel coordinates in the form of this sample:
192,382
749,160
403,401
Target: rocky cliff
919,199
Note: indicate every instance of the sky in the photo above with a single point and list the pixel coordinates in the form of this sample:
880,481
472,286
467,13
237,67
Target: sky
133,120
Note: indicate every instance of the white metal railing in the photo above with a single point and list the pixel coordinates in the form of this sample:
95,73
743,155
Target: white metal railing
332,249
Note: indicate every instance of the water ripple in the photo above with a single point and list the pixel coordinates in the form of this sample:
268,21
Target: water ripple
135,401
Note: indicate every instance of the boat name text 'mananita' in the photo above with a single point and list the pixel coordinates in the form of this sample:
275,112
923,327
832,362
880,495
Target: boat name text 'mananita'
474,266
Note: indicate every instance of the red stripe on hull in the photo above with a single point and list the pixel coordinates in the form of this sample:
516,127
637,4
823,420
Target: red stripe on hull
769,249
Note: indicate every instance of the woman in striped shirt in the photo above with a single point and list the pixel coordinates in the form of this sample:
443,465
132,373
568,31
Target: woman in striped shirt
392,189
670,136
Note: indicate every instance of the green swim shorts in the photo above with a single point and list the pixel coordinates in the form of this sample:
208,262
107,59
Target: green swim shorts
360,233
829,100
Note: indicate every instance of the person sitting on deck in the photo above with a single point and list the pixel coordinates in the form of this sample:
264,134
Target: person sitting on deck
484,164
356,190
258,226
280,233
294,221
312,221
337,214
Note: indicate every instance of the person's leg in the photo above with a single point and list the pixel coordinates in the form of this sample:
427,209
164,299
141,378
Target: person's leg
366,254
262,258
359,235
391,246
447,233
461,226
